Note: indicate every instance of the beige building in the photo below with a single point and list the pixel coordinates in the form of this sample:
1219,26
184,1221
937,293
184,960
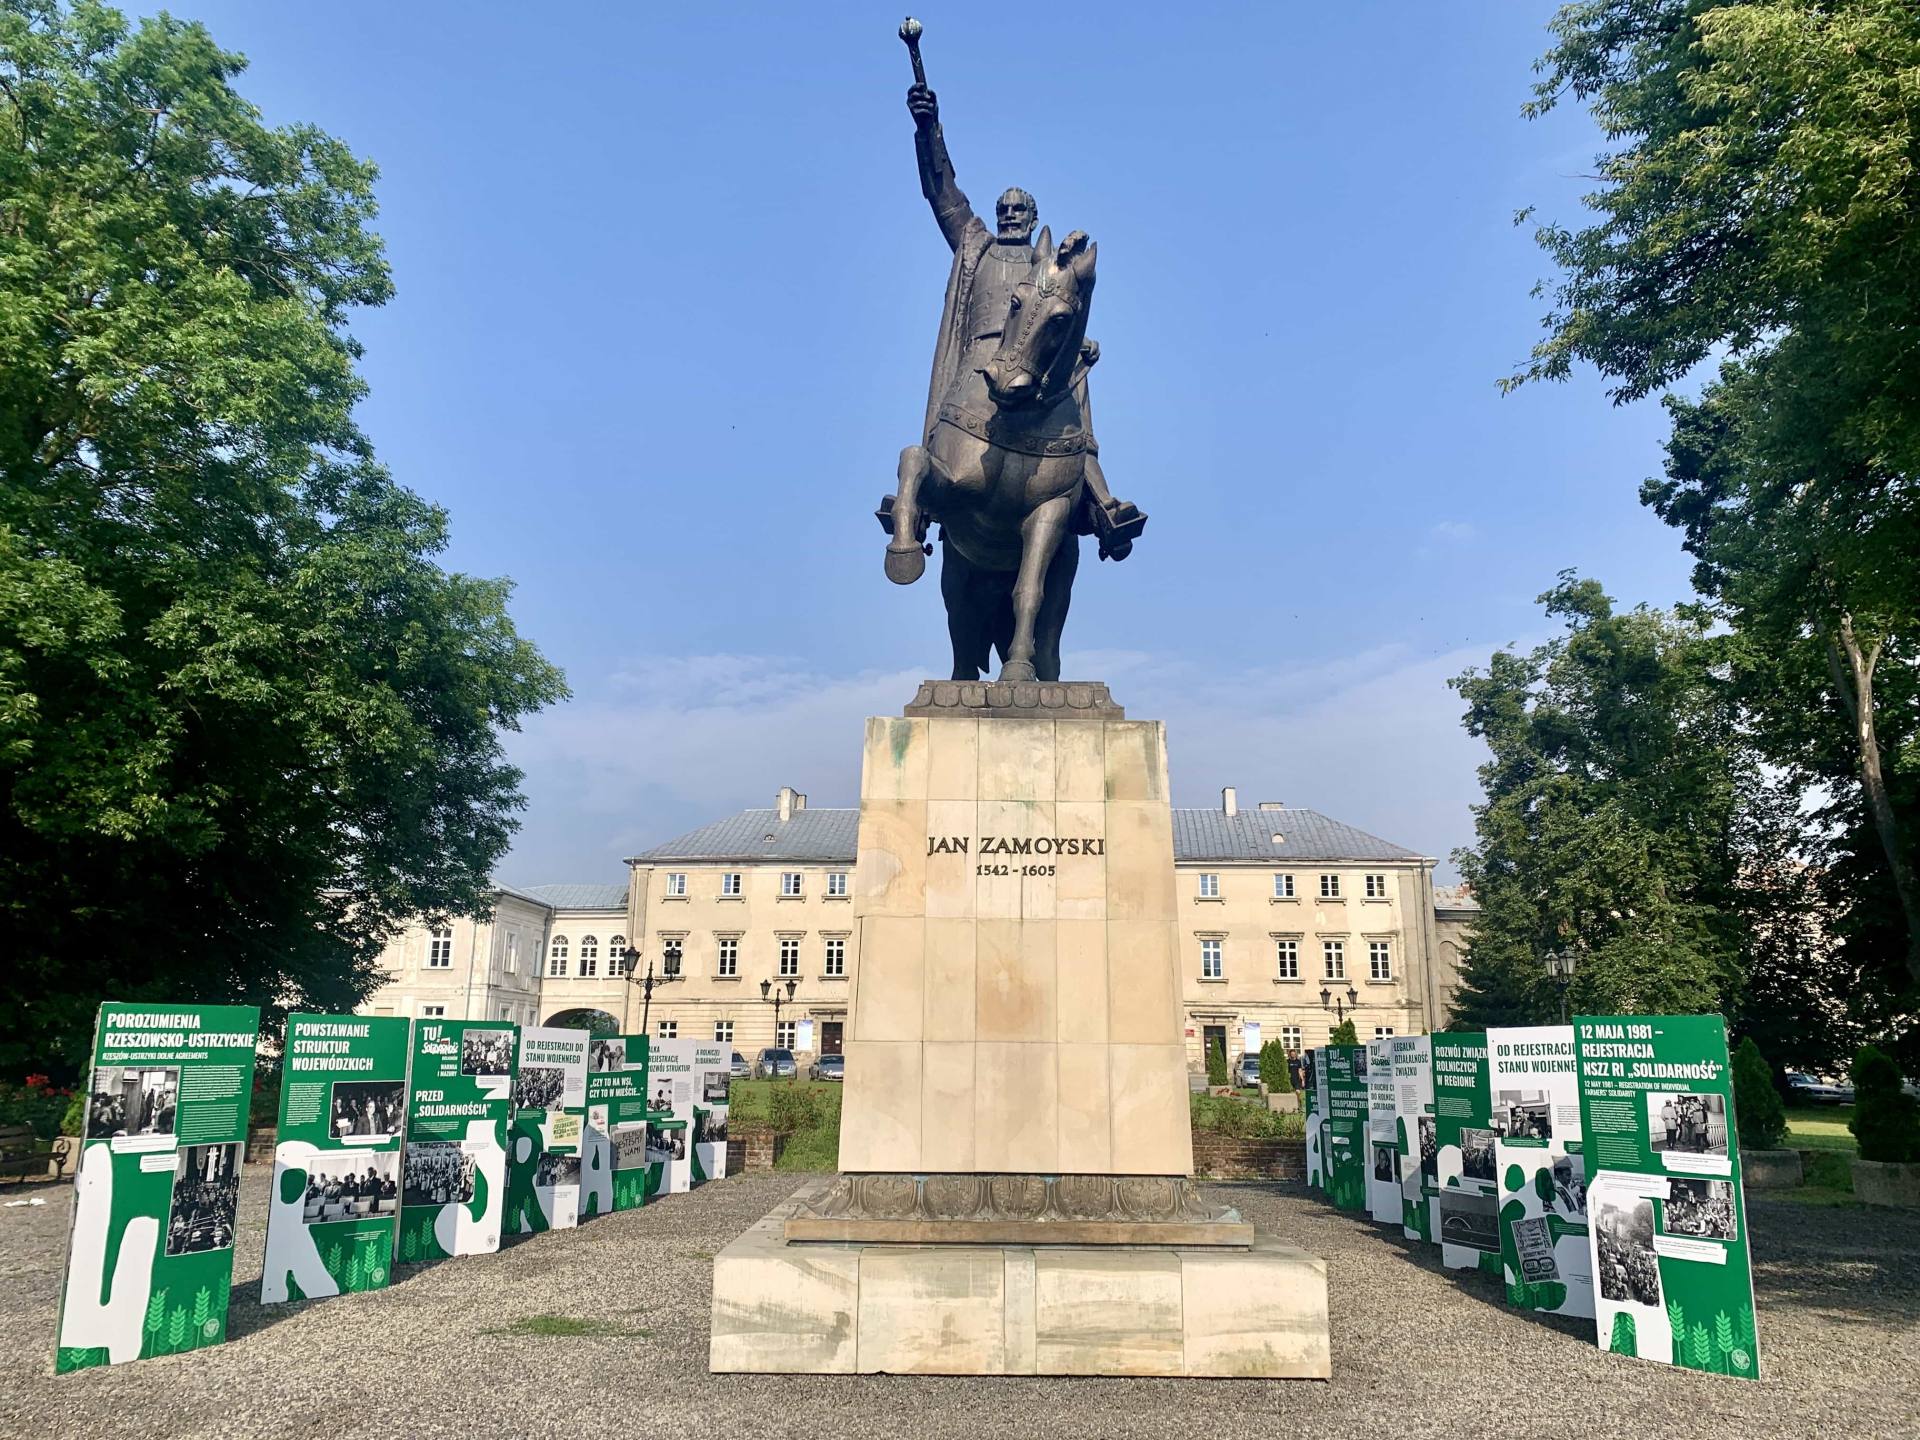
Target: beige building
1280,906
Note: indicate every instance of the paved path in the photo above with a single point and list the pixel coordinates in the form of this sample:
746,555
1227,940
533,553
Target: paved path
1416,1350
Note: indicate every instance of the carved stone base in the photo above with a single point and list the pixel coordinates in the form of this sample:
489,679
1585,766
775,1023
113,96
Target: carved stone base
1033,699
1015,1210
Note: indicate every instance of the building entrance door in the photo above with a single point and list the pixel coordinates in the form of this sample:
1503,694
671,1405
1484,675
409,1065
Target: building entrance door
830,1037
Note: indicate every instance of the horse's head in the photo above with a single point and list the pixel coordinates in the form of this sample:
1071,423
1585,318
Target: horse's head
1040,343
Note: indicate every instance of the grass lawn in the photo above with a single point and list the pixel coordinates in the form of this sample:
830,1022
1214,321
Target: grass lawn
1820,1127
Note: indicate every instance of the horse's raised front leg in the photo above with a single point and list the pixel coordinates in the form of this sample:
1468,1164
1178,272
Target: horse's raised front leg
906,552
1040,539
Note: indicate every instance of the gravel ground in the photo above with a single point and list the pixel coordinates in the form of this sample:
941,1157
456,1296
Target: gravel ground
1416,1350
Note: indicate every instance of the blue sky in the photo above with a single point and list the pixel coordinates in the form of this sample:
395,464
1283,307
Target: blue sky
667,292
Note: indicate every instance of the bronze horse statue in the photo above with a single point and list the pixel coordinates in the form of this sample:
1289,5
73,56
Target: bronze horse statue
1011,471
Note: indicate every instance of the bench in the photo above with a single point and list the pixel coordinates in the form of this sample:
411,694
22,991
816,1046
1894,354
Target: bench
20,1152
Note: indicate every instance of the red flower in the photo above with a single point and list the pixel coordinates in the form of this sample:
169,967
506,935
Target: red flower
36,1082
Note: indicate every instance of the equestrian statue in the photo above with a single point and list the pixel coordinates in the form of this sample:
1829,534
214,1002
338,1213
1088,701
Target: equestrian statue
1007,461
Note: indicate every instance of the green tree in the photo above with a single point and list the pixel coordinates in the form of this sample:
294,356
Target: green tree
1275,1071
1344,1034
1886,1120
1607,823
1761,1118
1755,202
1216,1062
247,725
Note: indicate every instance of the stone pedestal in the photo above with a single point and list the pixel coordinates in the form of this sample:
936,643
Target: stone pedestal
1015,1149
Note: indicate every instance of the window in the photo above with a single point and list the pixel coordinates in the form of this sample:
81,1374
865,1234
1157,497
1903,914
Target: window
1379,960
837,885
1329,887
670,957
1286,959
836,955
1283,887
729,961
723,1032
1290,1039
588,965
557,956
617,955
1376,887
589,955
1334,953
789,954
1382,1032
790,885
730,885
784,1032
1210,962
1209,887
440,948
506,1012
676,886
668,1029
432,1012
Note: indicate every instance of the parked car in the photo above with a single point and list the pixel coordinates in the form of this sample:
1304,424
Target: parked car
829,1067
1811,1090
1247,1072
774,1064
741,1070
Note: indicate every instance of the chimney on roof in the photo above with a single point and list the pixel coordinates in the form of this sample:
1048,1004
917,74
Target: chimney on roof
1272,805
788,801
1229,801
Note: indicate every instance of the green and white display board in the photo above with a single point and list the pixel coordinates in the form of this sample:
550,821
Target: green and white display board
544,1138
1544,1248
614,1168
1672,1278
712,1087
670,1088
336,1160
157,1190
1465,1203
1383,1149
1344,1132
454,1170
1413,1111
1316,1106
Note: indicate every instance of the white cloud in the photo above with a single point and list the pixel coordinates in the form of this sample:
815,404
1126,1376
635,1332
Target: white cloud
1452,532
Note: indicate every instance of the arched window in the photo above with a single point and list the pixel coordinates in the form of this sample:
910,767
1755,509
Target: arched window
616,948
557,956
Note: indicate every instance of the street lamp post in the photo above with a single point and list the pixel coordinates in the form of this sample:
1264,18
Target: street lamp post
1331,1001
770,992
1560,970
671,960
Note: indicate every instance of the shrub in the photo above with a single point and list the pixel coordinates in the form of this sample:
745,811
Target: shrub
1275,1073
1344,1034
793,1108
1757,1112
1222,1115
1216,1062
1885,1121
36,1103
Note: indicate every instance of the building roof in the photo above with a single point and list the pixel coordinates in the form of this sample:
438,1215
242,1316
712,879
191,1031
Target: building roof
572,897
1212,834
827,836
1454,897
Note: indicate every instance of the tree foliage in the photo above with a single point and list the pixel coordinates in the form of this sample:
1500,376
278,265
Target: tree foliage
1758,1113
1276,1068
247,725
1343,1034
1886,1120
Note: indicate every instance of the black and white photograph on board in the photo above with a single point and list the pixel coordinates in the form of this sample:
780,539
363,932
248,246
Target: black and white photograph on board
551,1170
631,1150
1570,1186
1686,1123
437,1172
606,1055
713,1089
1523,1115
351,1185
666,1142
206,1195
1476,1153
1360,1063
1702,1208
367,1107
662,1100
1386,1161
486,1052
1629,1269
1429,1132
709,1127
538,1087
132,1100
1470,1219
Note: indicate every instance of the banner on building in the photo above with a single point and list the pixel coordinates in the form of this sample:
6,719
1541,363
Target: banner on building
1383,1148
1544,1247
453,1171
1464,1201
1343,1147
712,1084
157,1191
336,1158
1414,1139
670,1084
1673,1281
545,1140
614,1164
1315,1103
1250,1038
